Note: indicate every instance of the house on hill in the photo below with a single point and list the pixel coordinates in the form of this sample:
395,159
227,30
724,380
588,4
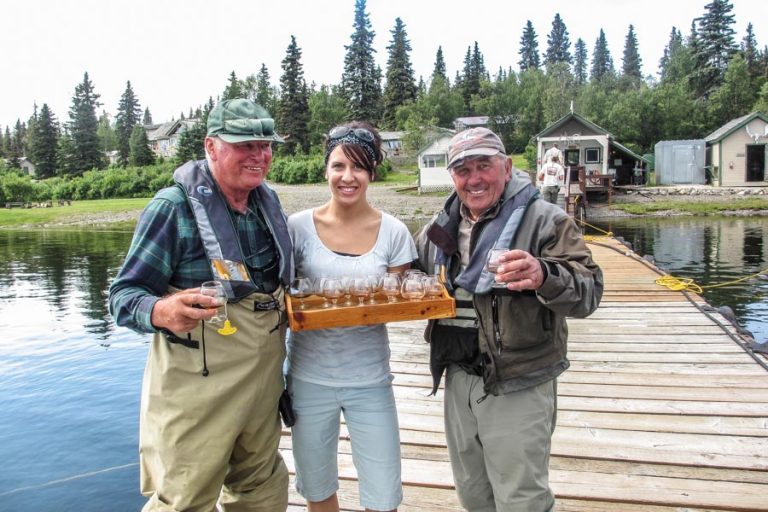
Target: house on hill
465,123
737,152
164,138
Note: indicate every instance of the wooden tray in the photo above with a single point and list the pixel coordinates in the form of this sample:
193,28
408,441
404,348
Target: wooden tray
316,317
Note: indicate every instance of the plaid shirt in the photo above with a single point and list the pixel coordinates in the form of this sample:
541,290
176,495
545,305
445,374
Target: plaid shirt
167,251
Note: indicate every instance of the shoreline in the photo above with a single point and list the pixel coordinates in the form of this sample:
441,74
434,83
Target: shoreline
419,208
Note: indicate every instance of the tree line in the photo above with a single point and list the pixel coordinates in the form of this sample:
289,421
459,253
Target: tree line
705,78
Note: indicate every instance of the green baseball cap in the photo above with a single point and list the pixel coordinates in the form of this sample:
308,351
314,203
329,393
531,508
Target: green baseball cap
241,120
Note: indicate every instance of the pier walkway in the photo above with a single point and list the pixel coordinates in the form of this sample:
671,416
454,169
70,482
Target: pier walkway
663,408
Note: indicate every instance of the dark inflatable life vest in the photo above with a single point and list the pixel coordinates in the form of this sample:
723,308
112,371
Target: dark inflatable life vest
218,233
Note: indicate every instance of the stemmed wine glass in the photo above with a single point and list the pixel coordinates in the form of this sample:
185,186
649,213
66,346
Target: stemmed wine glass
361,288
346,284
301,288
374,280
390,285
433,288
332,289
413,287
216,289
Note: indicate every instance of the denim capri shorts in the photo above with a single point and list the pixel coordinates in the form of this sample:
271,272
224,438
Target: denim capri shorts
371,419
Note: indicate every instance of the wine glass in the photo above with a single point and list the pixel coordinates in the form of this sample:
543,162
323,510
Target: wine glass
301,288
492,264
361,288
332,289
412,287
216,289
374,280
346,284
433,288
390,285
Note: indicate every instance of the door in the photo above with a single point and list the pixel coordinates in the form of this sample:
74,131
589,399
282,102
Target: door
756,162
682,169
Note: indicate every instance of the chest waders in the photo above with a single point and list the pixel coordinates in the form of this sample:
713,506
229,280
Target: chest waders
213,442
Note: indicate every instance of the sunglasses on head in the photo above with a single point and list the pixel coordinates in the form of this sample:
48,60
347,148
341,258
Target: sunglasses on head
342,131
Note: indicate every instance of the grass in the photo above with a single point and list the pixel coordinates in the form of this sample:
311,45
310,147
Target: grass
401,178
520,162
694,208
16,217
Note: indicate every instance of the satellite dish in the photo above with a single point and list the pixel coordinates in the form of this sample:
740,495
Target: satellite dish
756,136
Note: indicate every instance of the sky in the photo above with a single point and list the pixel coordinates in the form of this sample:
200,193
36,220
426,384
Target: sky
178,53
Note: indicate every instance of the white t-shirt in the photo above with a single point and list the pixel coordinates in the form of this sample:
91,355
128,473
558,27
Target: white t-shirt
553,175
552,152
344,356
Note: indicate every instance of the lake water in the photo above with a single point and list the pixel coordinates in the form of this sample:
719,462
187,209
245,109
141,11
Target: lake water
70,380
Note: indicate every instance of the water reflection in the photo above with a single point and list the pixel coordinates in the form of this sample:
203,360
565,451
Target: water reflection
63,271
711,251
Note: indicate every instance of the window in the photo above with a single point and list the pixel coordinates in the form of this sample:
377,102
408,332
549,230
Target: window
592,155
571,157
433,161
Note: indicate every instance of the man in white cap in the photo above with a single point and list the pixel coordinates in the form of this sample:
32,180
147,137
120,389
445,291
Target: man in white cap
508,342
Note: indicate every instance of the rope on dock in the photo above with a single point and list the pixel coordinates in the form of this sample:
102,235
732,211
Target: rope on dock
679,283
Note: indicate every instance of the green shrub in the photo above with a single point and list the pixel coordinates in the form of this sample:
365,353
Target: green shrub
297,169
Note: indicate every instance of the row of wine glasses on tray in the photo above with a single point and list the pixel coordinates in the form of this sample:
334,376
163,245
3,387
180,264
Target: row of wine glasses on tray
412,285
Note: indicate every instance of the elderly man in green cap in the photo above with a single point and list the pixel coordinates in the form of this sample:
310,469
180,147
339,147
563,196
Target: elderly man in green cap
209,425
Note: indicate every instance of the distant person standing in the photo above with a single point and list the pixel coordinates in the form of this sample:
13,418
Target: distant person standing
553,152
551,176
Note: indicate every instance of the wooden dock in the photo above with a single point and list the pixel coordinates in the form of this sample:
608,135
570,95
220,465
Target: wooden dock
663,409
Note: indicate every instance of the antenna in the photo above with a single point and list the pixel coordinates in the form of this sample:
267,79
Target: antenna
571,106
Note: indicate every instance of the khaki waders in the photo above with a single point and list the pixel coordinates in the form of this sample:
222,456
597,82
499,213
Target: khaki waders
215,438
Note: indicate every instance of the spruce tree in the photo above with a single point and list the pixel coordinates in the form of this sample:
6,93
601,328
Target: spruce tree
439,71
602,63
361,79
234,89
140,154
128,116
715,46
401,86
265,93
529,48
674,44
7,143
580,62
20,139
293,109
83,129
66,163
147,119
558,43
45,139
631,62
751,54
